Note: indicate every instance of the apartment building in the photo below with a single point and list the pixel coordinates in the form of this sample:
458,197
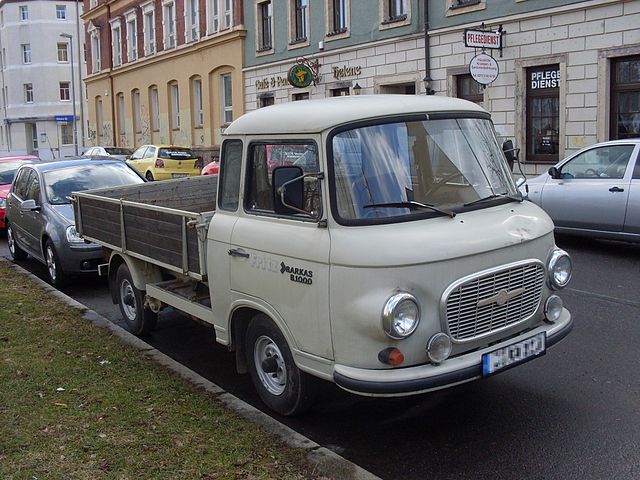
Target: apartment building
163,71
41,66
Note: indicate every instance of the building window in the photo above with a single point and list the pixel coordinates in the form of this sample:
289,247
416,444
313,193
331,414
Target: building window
99,120
61,12
265,12
26,52
24,13
149,27
299,20
543,113
227,99
469,89
116,45
132,37
221,15
28,92
300,96
228,15
174,101
396,10
198,112
66,134
93,4
340,92
192,15
169,23
338,19
625,98
154,108
63,52
266,100
95,51
135,106
65,91
120,113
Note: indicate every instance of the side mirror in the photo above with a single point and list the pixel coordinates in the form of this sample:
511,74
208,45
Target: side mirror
288,189
554,172
29,206
510,153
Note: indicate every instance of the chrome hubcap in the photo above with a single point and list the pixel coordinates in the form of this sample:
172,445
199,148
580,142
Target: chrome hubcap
10,244
51,264
128,299
270,365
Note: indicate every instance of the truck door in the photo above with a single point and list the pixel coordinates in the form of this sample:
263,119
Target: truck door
282,261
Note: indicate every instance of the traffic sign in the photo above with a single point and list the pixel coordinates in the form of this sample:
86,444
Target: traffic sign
64,118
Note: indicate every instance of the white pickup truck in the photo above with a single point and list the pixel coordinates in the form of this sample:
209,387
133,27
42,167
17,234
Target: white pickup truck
378,242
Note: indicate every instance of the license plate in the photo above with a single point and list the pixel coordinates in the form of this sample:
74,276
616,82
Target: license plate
514,354
179,175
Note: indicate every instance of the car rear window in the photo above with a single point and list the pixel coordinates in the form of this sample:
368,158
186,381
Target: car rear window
175,153
118,151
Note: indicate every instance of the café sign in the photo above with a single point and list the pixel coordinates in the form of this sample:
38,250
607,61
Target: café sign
484,69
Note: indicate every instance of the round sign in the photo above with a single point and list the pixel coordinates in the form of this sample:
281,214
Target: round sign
484,69
300,75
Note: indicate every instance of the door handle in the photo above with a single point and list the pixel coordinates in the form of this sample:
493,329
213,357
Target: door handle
236,252
616,189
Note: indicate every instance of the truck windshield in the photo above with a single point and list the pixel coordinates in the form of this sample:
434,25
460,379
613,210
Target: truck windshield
406,168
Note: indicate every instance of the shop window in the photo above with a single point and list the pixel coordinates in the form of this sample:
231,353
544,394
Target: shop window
265,101
340,92
625,98
469,89
399,89
543,113
300,96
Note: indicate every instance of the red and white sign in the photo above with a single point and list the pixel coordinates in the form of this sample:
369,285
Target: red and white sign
480,39
484,69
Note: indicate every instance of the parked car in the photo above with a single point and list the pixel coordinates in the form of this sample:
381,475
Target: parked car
119,153
40,220
162,162
211,168
8,168
594,192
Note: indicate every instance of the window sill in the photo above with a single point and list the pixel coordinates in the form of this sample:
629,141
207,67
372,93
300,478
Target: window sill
395,22
399,19
461,9
264,49
337,32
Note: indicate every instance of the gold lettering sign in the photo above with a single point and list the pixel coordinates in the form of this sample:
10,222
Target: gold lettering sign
346,71
271,82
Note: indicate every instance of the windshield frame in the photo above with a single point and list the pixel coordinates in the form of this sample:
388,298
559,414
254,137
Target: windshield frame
418,214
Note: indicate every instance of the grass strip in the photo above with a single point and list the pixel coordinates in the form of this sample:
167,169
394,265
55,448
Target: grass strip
75,403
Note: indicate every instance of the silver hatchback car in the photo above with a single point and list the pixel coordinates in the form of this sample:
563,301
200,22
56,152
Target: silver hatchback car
40,219
594,192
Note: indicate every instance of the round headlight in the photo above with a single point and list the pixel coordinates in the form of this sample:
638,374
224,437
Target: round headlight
400,315
559,268
553,308
439,348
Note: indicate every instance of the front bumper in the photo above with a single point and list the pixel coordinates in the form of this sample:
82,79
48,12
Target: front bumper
424,378
81,258
168,173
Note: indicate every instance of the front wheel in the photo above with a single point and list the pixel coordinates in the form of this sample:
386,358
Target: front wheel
279,382
57,278
139,320
16,252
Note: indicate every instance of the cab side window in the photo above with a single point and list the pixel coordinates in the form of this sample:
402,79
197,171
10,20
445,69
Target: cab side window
264,158
230,169
21,183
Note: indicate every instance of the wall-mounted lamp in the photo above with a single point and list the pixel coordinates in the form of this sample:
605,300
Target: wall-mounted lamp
427,86
357,89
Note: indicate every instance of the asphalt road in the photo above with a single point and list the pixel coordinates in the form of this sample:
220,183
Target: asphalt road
571,414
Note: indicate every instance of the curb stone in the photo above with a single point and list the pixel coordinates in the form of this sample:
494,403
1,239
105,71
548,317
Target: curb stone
325,461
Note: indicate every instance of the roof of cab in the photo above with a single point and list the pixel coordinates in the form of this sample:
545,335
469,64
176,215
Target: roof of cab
310,116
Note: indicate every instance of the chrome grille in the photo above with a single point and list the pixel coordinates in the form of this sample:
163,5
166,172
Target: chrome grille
490,302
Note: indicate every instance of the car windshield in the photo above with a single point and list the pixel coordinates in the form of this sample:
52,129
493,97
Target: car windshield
118,151
407,168
8,170
175,153
60,184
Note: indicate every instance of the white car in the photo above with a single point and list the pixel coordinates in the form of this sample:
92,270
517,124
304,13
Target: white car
119,153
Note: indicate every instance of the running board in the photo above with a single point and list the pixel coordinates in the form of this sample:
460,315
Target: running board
161,292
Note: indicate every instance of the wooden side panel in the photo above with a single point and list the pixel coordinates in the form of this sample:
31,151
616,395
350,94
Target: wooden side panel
100,220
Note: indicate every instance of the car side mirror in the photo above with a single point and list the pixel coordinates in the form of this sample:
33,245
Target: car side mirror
554,172
288,190
510,153
29,206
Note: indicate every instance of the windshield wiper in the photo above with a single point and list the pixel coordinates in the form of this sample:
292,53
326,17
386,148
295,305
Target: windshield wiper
412,205
517,198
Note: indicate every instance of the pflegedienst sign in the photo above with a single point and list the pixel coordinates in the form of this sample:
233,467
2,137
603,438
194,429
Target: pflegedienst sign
484,69
480,39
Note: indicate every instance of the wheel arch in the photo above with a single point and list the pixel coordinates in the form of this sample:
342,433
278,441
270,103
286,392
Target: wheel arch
142,272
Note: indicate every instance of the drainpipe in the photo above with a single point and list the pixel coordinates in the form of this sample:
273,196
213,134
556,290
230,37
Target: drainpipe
427,56
80,44
114,139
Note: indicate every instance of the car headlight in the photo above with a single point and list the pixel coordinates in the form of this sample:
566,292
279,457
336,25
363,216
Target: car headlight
3,202
400,315
559,268
553,308
72,235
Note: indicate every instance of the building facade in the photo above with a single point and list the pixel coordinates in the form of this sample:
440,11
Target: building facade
163,71
40,78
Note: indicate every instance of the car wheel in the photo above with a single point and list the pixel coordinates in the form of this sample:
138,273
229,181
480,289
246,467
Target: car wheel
139,320
57,277
282,386
16,252
149,176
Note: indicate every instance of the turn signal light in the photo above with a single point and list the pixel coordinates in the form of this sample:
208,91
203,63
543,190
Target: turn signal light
391,356
159,163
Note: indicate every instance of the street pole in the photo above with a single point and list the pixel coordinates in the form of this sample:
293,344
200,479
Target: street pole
73,91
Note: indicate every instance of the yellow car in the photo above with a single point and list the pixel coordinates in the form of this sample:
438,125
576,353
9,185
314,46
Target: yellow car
162,162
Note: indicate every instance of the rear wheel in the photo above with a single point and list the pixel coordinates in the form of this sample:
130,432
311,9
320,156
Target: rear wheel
282,386
139,320
16,252
149,176
57,277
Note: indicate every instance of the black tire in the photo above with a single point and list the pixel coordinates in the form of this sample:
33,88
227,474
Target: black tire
16,252
56,275
282,386
140,321
149,176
